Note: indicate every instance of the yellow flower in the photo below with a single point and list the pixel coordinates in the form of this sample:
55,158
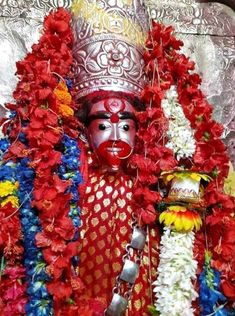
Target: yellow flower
7,188
229,185
12,199
65,110
64,99
182,219
196,176
62,93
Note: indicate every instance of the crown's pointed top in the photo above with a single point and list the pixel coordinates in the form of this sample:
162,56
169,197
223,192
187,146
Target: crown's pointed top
109,40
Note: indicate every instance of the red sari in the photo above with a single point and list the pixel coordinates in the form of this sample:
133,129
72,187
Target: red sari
106,230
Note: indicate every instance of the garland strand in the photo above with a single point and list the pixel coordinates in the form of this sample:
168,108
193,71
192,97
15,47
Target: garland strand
167,68
211,299
174,289
39,301
12,272
37,96
180,134
69,170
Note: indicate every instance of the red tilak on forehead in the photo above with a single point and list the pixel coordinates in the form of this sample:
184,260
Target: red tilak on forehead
114,118
114,106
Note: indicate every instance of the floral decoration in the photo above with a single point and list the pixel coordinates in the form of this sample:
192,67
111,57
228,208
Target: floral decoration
39,301
114,57
48,176
40,175
173,288
180,134
172,82
12,271
182,219
64,99
211,299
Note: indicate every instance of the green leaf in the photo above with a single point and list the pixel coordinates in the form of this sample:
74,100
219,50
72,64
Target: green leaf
207,257
161,206
152,310
70,301
3,265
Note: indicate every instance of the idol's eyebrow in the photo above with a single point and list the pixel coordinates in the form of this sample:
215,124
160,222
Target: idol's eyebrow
98,115
127,115
105,115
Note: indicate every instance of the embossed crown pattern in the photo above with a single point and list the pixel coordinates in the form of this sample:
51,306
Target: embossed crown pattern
108,49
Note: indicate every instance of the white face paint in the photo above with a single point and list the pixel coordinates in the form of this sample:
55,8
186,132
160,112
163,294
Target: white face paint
112,130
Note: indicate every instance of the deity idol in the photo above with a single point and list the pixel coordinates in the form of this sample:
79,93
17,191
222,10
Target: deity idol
112,246
108,74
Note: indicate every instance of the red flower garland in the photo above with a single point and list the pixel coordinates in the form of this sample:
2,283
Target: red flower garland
166,67
12,274
37,104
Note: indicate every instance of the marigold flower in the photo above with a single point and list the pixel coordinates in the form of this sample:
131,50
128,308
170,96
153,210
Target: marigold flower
66,110
7,188
64,99
62,94
11,199
181,218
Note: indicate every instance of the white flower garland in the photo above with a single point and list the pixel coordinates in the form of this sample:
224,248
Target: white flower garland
180,134
173,288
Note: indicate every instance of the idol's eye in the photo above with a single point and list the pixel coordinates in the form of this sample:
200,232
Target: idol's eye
102,127
126,127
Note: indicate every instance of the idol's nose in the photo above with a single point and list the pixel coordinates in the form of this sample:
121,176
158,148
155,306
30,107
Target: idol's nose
115,134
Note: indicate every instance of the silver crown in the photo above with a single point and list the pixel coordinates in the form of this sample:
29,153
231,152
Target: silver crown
108,47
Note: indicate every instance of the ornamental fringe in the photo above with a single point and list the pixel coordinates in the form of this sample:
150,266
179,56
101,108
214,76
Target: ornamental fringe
173,288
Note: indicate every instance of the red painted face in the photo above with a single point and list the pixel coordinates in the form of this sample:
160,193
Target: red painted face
112,131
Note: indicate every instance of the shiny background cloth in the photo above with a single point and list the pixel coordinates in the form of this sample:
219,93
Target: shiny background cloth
207,30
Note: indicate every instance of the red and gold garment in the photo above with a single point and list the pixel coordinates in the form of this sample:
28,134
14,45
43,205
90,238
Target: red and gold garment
106,230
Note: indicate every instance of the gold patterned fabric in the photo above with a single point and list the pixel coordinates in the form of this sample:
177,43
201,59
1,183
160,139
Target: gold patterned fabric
106,230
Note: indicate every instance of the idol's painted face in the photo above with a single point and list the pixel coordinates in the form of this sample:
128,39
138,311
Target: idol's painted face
111,129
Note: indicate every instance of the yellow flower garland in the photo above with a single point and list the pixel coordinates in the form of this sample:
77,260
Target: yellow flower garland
182,219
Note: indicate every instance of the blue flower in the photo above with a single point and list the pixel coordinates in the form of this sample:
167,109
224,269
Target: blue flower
69,83
39,307
7,172
11,114
33,258
22,138
69,170
210,298
4,144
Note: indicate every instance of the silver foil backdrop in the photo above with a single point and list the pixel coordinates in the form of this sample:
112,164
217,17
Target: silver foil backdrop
207,30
